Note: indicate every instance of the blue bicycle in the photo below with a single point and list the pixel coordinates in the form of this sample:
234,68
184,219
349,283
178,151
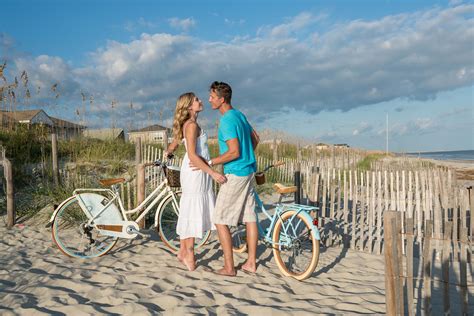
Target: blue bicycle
293,233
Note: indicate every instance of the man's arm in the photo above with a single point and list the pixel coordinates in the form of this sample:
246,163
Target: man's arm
232,153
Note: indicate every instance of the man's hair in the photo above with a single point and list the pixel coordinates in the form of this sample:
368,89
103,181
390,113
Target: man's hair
223,90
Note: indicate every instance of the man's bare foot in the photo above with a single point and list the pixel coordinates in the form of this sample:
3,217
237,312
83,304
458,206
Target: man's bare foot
226,272
247,267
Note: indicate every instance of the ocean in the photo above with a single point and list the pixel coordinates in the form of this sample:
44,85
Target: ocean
467,155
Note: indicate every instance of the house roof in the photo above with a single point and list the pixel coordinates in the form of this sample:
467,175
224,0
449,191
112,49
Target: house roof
104,133
28,115
63,123
22,115
151,128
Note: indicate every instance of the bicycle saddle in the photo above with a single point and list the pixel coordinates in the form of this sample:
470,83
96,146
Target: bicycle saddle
109,182
281,189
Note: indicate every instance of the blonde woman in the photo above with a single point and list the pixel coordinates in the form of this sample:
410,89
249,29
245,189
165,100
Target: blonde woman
197,200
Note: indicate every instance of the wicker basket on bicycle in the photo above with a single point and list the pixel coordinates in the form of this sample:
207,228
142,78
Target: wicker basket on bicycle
173,174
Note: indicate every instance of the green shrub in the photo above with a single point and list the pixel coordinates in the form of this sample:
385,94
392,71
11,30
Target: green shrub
366,163
93,150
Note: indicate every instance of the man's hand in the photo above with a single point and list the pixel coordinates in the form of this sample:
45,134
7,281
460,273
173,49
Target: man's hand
193,167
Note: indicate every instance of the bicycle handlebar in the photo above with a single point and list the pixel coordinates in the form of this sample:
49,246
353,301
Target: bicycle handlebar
276,164
158,163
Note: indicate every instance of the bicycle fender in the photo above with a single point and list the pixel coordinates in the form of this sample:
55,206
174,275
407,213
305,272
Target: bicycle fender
93,202
314,228
58,208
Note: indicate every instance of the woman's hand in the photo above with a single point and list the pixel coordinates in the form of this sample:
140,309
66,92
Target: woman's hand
220,178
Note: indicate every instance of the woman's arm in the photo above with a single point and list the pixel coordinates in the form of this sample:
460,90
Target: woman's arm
191,132
171,148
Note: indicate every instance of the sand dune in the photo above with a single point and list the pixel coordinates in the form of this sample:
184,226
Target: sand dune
143,277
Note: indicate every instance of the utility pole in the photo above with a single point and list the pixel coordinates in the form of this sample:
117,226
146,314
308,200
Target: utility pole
386,140
130,117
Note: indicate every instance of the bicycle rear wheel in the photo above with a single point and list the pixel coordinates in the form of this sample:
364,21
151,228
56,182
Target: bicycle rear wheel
239,238
74,237
295,249
167,221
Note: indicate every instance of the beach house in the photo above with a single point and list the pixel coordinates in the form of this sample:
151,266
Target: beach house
154,134
38,118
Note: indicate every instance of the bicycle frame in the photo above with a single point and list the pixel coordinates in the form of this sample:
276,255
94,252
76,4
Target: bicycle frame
163,190
279,210
160,193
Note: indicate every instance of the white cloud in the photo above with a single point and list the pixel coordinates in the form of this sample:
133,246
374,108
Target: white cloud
141,23
416,126
297,23
363,128
183,24
455,2
234,22
411,56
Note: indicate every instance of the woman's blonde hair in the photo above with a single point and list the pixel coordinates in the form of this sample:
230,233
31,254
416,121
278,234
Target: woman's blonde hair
181,114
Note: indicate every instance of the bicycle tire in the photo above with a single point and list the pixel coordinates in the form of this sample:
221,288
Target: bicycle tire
299,231
239,238
167,221
70,236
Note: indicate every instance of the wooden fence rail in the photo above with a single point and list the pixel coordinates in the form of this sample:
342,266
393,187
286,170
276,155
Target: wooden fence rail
440,284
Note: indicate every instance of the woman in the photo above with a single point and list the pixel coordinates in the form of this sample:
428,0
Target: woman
197,201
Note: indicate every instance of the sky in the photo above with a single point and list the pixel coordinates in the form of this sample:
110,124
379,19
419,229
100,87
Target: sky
304,70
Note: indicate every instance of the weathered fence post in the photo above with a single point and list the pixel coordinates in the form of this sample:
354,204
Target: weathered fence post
54,155
275,150
298,183
165,140
138,151
409,255
8,171
392,273
141,189
427,253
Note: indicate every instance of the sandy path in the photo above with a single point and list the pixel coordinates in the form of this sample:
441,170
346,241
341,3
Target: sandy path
141,276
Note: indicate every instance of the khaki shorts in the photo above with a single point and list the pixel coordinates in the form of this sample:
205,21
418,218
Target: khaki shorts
235,201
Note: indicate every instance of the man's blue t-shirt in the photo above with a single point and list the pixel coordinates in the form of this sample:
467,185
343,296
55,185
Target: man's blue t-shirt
234,124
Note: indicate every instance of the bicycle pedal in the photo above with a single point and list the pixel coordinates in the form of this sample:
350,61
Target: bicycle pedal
133,230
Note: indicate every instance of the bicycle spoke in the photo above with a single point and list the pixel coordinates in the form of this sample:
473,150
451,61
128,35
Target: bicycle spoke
297,251
74,237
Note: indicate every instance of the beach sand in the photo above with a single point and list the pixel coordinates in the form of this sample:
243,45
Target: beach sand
143,277
464,170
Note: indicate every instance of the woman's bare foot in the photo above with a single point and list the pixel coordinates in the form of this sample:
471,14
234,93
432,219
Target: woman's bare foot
180,256
189,262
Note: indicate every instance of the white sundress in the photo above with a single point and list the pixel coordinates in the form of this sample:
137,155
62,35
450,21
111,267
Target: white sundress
197,201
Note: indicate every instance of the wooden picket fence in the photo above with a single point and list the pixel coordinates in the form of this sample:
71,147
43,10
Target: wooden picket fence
430,275
434,237
352,204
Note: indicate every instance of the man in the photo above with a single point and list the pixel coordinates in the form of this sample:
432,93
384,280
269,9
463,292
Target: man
235,200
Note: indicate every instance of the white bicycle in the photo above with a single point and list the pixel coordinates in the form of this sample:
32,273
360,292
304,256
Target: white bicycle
89,223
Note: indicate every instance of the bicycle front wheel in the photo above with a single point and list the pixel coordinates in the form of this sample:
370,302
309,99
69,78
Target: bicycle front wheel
295,249
168,220
74,237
